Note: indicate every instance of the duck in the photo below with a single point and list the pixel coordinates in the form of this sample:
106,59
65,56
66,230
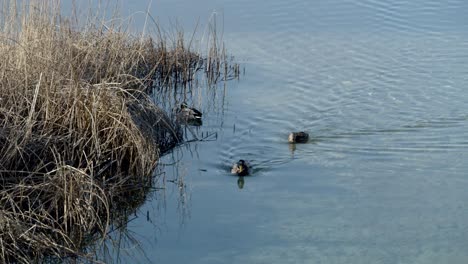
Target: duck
188,113
240,168
298,137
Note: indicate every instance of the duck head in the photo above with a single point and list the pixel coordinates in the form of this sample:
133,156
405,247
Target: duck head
183,105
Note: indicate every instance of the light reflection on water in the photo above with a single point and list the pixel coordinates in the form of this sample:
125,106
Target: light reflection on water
381,87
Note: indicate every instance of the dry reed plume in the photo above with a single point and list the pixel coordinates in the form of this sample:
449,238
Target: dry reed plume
77,125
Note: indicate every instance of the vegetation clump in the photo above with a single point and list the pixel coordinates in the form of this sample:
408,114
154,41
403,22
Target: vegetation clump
78,126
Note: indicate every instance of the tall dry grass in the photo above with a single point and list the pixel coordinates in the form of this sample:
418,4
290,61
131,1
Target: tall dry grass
78,128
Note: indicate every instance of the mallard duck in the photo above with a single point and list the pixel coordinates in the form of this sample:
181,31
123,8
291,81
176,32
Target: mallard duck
240,168
298,137
188,113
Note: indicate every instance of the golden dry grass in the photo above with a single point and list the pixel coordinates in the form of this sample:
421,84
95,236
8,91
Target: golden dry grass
77,125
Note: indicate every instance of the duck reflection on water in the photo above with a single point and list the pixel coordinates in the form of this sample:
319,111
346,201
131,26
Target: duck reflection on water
240,182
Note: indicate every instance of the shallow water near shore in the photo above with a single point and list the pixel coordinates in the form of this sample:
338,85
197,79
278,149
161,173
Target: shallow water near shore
380,87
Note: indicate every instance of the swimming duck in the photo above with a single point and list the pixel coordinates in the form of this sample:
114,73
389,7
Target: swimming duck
188,113
240,168
298,137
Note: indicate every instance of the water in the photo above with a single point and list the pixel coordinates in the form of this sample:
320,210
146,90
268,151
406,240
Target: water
381,87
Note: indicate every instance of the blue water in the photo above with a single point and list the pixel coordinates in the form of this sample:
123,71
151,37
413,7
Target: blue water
382,89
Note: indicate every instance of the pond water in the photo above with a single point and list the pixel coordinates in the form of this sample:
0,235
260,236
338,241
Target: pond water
382,90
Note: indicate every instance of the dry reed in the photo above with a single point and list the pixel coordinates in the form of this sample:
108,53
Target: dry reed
78,128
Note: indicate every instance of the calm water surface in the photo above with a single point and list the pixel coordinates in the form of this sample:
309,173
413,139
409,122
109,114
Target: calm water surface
381,87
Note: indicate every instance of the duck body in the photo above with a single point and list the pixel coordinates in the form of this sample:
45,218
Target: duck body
189,114
240,168
298,137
